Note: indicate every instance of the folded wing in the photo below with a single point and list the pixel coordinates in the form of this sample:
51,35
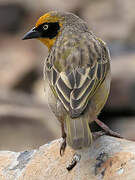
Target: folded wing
76,88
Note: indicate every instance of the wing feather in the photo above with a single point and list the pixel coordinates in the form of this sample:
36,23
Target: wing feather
76,87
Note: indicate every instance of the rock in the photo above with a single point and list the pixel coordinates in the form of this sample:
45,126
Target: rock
25,122
130,40
111,20
47,5
108,158
125,126
122,94
18,58
14,13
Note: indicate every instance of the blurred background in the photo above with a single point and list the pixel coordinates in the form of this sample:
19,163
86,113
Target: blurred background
26,122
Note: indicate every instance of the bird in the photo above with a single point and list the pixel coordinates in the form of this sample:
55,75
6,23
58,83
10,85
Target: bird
78,72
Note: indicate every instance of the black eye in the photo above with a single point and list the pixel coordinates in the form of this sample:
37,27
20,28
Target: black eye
45,26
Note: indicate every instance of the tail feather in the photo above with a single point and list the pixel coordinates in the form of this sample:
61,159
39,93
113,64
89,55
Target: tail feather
78,132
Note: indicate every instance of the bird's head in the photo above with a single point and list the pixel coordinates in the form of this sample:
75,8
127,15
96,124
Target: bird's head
46,29
50,25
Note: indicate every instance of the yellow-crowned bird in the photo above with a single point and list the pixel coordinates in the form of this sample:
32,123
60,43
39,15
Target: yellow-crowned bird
78,72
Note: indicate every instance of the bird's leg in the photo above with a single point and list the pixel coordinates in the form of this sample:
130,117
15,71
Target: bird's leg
63,144
107,130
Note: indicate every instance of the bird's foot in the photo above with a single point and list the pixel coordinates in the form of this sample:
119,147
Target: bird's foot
107,130
64,142
63,146
97,134
76,158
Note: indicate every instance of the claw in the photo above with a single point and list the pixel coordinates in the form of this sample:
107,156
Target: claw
63,147
63,144
98,134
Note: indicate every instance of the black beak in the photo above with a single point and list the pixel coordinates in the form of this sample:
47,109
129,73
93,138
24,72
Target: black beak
32,34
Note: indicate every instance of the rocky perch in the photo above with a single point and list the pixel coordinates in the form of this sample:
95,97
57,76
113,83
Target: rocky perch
108,158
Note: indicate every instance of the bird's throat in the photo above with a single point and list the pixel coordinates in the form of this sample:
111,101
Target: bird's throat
48,42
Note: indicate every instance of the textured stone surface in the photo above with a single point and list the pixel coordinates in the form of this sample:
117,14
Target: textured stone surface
111,20
123,82
15,64
12,23
45,5
125,126
25,122
108,158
